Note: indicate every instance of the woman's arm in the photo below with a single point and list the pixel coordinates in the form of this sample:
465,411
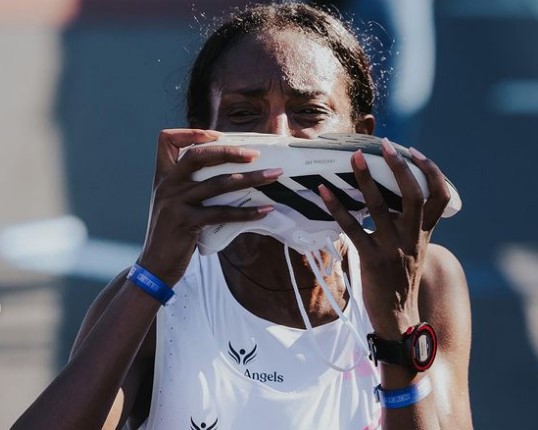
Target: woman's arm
393,259
82,395
444,303
137,384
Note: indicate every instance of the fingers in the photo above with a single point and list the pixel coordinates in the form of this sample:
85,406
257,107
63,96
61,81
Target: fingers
172,140
197,157
232,182
439,192
418,214
372,196
345,220
412,197
175,189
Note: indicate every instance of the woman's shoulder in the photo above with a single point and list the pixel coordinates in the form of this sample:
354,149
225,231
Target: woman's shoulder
444,296
443,276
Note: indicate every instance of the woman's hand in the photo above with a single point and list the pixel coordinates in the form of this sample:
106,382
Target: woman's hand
392,257
177,214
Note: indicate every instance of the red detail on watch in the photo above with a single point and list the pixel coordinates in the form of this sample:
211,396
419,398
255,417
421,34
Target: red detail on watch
422,344
416,350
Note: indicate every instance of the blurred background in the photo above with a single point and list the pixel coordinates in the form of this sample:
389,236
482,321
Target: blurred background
86,85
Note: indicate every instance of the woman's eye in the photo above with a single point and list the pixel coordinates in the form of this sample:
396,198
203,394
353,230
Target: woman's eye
312,113
241,115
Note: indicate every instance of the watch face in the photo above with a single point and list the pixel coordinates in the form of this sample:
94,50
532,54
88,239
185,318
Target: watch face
423,347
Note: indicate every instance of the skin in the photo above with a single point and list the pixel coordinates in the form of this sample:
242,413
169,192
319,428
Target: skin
405,279
280,95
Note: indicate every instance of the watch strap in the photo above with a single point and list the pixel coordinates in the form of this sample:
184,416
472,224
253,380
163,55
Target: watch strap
386,351
416,350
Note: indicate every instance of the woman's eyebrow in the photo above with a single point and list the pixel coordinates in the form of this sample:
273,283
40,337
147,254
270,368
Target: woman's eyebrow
247,92
305,93
259,92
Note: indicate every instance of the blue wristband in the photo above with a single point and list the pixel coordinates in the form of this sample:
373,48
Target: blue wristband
151,284
394,399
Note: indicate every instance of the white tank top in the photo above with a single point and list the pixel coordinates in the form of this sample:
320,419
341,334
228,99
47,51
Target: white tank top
219,367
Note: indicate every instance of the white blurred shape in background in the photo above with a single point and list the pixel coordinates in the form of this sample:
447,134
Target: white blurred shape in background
519,264
61,246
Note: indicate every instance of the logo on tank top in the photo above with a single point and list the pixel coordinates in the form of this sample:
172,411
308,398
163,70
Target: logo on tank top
244,357
241,356
203,425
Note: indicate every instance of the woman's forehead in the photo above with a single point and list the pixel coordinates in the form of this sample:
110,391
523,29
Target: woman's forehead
293,58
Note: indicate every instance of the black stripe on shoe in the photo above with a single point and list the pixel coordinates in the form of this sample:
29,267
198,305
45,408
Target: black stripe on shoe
393,201
281,194
313,181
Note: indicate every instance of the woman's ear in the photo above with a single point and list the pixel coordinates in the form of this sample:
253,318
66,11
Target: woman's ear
365,124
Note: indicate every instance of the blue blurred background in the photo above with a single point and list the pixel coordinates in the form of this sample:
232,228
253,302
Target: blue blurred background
86,85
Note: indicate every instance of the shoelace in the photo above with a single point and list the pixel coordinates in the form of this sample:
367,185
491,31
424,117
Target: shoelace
315,261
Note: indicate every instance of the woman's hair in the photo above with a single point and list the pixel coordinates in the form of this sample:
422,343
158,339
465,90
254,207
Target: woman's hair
328,30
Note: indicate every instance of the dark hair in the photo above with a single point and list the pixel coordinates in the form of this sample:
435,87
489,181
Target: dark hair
329,30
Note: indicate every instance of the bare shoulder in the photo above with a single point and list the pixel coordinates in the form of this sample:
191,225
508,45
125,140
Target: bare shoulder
444,303
442,265
444,299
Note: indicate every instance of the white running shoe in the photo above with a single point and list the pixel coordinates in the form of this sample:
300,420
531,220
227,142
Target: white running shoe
300,218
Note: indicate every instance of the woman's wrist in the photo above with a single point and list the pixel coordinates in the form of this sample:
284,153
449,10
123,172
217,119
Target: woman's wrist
167,271
151,284
392,325
394,377
402,397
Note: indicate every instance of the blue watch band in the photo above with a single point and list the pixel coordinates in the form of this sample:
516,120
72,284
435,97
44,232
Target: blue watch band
151,284
394,399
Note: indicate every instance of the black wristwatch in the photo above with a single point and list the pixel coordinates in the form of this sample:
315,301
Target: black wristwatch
416,350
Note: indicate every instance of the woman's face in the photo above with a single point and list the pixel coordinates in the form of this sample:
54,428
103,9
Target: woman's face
282,83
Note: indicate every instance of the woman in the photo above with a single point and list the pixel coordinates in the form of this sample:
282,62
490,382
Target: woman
290,70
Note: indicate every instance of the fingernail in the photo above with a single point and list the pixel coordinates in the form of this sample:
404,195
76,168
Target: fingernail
272,173
324,192
249,153
388,147
360,161
417,154
213,133
265,209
